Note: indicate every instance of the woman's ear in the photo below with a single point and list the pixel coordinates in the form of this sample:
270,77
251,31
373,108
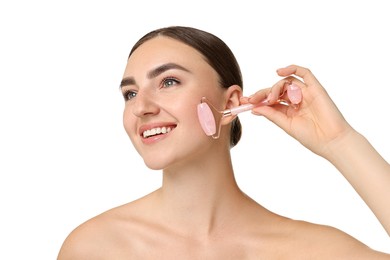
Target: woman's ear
232,97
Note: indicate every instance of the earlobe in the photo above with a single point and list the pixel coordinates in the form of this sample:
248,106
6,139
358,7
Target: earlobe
232,95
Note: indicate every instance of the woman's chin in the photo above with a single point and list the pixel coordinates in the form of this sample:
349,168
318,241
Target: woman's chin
155,164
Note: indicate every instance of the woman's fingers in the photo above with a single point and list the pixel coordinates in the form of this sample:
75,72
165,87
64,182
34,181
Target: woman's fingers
287,89
270,95
299,71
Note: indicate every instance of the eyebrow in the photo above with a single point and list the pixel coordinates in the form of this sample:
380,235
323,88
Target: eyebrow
153,73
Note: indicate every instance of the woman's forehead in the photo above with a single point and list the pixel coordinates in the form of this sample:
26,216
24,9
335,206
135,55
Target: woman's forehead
163,50
162,47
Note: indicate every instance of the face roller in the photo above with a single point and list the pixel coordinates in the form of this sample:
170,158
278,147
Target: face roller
210,117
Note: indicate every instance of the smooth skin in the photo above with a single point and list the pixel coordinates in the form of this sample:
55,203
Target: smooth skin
200,212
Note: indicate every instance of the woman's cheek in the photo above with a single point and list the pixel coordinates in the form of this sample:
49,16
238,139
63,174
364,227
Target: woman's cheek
129,124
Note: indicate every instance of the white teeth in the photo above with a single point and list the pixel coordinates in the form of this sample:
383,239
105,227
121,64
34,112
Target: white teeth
155,131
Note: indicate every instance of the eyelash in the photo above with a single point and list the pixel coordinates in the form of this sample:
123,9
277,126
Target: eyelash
169,79
163,85
126,94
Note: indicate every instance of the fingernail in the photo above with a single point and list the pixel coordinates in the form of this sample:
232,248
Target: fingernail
294,93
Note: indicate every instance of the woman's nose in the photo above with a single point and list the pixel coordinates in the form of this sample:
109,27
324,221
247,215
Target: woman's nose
144,105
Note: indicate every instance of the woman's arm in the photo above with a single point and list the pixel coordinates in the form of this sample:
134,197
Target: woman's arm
319,126
366,171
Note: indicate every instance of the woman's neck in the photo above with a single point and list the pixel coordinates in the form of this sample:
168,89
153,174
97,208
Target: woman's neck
201,196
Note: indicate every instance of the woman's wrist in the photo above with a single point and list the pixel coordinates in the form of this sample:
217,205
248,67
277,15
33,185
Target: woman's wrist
343,147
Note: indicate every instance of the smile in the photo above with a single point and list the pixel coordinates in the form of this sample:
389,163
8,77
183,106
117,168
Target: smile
156,131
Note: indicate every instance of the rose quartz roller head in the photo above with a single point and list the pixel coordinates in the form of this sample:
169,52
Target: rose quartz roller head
210,117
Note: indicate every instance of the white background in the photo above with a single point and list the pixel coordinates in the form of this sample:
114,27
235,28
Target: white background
64,156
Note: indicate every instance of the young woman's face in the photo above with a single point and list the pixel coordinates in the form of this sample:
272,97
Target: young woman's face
163,83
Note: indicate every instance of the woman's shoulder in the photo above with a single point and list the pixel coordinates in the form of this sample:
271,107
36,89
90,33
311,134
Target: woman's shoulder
83,240
318,241
104,234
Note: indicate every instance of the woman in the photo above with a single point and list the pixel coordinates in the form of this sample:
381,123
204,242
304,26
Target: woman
200,212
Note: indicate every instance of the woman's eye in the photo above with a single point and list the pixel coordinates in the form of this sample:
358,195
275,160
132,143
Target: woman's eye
129,95
169,82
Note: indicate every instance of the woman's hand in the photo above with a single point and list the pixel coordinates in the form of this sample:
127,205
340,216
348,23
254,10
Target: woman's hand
319,125
314,121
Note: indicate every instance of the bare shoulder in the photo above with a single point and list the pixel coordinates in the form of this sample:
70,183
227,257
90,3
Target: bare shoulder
325,242
83,242
106,236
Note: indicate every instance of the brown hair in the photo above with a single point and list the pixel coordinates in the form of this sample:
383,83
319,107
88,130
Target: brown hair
216,53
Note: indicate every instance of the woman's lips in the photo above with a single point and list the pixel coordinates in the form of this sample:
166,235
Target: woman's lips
153,132
156,131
